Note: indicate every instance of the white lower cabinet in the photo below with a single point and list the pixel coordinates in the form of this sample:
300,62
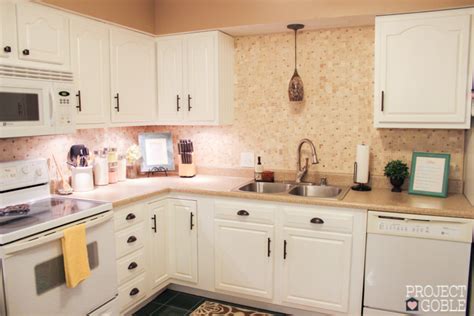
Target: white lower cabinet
243,258
182,223
158,246
306,258
316,269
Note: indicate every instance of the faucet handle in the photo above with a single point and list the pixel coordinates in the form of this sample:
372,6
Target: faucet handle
323,181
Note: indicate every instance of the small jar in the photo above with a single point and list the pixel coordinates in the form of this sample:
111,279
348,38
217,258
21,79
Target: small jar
101,168
113,172
112,155
122,168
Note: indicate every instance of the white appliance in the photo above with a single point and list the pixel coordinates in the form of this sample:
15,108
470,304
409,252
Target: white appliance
32,221
35,102
469,164
414,257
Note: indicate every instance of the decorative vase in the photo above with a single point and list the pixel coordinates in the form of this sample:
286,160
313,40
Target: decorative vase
397,184
133,170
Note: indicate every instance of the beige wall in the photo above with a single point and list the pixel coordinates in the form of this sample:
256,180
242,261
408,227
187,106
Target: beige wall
138,14
336,66
189,15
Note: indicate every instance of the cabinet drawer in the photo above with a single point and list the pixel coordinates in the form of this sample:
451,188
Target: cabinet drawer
316,219
130,266
129,240
245,212
129,216
132,292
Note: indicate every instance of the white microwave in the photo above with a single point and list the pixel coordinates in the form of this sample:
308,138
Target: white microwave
33,103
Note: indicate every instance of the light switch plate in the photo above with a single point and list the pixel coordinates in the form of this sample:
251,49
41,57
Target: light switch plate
247,159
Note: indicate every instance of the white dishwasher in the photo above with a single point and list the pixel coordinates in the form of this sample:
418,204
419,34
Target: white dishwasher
417,264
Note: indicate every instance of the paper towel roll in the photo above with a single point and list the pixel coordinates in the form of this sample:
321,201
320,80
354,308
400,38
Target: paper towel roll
362,160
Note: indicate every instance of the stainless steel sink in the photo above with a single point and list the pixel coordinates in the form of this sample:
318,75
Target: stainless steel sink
298,189
265,187
320,191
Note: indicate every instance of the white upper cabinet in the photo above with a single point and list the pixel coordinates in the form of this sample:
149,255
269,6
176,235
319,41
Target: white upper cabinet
90,65
195,79
8,46
169,56
422,70
43,34
133,79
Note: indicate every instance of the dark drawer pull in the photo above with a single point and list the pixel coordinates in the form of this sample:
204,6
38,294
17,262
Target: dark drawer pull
132,266
7,49
79,101
269,241
117,98
177,103
130,217
243,213
382,105
284,249
26,52
191,221
317,220
131,239
134,291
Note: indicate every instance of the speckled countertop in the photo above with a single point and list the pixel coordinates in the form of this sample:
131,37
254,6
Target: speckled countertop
133,190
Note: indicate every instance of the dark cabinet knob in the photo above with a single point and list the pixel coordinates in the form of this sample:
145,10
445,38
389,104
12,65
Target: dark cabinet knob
26,52
134,291
130,217
243,213
131,239
317,220
132,266
7,49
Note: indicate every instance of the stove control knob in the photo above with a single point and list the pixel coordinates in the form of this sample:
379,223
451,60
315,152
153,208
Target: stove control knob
39,172
25,170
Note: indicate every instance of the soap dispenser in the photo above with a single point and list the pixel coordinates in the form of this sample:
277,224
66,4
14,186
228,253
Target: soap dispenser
258,170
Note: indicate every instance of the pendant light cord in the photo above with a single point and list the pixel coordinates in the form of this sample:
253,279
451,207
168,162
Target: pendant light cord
296,51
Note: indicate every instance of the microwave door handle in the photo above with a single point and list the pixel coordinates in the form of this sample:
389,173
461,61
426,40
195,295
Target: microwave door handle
45,238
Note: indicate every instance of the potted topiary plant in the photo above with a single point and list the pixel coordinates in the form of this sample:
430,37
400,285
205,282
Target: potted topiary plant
397,171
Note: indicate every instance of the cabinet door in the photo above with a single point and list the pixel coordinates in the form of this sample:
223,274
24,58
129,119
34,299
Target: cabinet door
171,100
421,70
201,96
244,258
158,243
133,77
183,240
8,47
316,269
90,64
43,34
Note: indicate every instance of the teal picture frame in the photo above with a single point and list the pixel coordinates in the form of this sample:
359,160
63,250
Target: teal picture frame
444,190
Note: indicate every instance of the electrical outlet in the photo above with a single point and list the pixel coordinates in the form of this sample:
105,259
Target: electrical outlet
247,159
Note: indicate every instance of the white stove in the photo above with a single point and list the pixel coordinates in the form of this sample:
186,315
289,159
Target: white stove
31,261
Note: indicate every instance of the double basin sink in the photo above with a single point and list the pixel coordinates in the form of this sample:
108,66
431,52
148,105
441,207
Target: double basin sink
297,189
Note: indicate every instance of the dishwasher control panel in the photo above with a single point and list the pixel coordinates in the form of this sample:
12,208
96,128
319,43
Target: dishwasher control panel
420,226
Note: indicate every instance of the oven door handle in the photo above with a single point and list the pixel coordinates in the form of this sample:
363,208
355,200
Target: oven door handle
47,236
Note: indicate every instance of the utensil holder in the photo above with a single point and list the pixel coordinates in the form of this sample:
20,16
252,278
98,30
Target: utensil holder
82,179
187,170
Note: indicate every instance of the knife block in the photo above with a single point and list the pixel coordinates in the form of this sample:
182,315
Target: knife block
187,170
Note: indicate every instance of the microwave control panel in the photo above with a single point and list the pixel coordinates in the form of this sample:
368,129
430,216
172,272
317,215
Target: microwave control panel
64,107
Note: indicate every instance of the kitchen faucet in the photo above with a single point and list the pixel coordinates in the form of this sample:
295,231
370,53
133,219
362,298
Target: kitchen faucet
301,171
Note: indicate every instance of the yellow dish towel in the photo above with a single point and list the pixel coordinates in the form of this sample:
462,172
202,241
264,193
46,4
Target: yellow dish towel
76,261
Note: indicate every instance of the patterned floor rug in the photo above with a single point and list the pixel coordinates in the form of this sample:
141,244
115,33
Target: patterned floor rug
217,309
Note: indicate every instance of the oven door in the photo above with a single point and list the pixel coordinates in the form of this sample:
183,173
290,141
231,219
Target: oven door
26,107
34,279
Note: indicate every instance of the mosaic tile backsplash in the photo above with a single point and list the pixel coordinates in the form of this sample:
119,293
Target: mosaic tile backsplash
336,66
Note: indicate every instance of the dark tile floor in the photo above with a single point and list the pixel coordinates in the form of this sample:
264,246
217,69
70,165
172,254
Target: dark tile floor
172,303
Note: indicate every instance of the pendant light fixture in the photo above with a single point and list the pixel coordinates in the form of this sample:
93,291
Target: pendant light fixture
295,88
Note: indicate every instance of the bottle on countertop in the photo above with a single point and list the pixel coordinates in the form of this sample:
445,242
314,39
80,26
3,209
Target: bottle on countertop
258,170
